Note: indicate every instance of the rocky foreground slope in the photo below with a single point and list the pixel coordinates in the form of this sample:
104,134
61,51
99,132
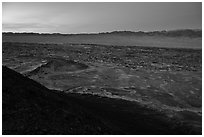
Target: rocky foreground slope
30,108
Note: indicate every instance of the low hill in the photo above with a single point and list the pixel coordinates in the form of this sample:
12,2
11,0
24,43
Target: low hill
30,108
56,65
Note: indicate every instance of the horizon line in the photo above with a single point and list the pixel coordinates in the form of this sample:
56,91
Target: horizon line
102,32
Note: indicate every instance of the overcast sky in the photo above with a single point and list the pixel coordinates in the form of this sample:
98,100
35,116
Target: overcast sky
100,17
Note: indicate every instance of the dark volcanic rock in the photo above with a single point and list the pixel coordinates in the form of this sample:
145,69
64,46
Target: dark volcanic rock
58,65
65,65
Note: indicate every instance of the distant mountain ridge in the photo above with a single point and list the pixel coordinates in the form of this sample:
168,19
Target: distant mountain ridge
168,39
170,33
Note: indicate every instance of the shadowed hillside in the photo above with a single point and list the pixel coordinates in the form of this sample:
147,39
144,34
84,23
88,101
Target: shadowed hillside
30,108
